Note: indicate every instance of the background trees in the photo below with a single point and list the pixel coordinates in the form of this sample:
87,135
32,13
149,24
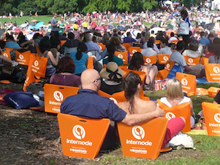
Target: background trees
61,6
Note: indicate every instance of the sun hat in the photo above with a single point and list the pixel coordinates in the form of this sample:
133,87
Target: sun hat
112,72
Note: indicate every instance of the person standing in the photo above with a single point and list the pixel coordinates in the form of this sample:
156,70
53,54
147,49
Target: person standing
184,27
54,23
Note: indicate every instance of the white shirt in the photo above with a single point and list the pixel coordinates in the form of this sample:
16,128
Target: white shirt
192,54
165,50
148,52
155,47
165,101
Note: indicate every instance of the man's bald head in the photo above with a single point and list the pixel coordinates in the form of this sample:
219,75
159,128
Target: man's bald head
90,79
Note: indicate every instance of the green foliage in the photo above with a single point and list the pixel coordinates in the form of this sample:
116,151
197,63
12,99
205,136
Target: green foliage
85,6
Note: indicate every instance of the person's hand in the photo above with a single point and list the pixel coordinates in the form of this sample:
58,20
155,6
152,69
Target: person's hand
14,63
159,111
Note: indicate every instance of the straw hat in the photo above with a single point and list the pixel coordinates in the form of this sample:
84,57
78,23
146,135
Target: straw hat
111,71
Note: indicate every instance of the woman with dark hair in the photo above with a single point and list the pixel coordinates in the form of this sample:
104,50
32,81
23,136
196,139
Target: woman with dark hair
134,105
111,56
80,58
194,50
65,75
70,45
52,61
137,63
115,41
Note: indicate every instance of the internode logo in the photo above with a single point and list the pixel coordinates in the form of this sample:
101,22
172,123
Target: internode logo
79,132
114,100
184,81
190,60
5,54
165,58
58,96
170,115
216,69
36,63
138,132
21,56
148,60
167,66
217,117
120,56
134,51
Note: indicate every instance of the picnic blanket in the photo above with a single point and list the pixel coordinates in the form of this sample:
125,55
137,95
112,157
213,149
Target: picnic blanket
204,81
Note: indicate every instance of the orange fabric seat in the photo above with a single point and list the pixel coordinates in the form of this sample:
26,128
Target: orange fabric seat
90,63
6,53
163,58
101,46
133,50
150,59
55,95
192,61
142,141
22,58
81,137
127,46
212,118
174,41
213,91
212,72
123,56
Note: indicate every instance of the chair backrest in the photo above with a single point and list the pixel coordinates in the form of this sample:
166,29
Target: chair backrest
54,95
188,82
123,56
133,50
212,118
204,60
140,73
150,59
162,74
90,63
213,91
142,141
212,72
163,58
62,42
157,42
82,137
127,46
101,46
174,41
116,97
182,110
192,61
22,58
6,53
37,49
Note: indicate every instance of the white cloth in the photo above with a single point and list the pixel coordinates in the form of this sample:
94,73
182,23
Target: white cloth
148,52
191,53
172,39
165,50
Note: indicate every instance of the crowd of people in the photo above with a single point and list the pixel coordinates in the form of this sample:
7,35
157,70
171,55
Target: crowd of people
67,63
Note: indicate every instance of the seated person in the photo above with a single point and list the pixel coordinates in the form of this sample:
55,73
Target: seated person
217,98
172,37
175,97
154,47
129,38
112,78
111,56
117,44
193,50
87,103
134,105
203,39
137,63
149,51
71,44
164,49
92,47
216,57
80,58
10,42
65,75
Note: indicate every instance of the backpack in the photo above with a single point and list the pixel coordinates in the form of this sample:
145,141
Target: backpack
19,74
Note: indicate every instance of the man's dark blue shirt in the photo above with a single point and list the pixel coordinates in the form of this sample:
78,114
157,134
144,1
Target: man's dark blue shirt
88,104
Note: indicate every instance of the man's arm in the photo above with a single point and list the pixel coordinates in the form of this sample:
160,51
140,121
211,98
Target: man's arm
144,117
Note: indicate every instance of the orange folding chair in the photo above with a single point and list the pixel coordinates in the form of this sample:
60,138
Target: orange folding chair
142,141
90,63
127,46
133,50
101,46
55,95
182,110
212,118
22,58
123,56
116,97
157,42
81,137
188,82
204,60
212,91
150,59
162,74
192,61
62,42
6,53
212,72
163,58
174,41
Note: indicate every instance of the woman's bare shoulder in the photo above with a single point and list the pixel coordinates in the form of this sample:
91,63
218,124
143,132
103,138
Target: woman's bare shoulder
123,105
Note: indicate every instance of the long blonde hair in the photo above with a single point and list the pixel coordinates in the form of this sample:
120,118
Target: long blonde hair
174,89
